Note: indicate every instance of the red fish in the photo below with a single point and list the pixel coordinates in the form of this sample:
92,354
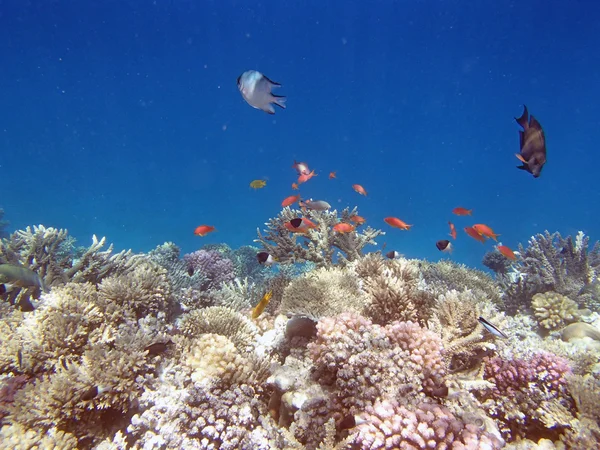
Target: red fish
306,176
301,167
358,220
462,211
507,252
474,234
294,186
358,188
331,175
290,200
397,223
452,230
203,230
343,228
299,225
486,231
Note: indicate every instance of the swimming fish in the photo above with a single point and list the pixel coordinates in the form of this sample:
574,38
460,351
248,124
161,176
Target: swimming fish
258,184
260,307
343,228
190,270
444,246
158,347
303,178
19,276
265,258
358,220
397,223
256,90
452,230
532,144
203,230
290,200
299,225
358,188
6,287
474,234
294,186
301,168
317,205
486,231
492,328
331,175
507,252
393,254
462,211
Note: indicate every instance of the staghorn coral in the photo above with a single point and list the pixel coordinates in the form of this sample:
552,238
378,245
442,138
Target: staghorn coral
219,320
323,292
552,263
387,425
444,276
465,340
216,268
320,245
17,437
238,294
392,288
553,310
529,397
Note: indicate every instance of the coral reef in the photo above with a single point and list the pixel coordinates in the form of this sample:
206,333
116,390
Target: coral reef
167,256
216,268
320,245
497,262
553,310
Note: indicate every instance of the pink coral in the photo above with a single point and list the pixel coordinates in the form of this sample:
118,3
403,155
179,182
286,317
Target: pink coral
427,426
363,362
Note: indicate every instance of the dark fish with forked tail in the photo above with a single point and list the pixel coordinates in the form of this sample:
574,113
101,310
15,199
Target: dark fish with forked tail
532,144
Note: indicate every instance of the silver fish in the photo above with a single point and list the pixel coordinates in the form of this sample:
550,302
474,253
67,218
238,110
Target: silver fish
256,90
492,328
317,205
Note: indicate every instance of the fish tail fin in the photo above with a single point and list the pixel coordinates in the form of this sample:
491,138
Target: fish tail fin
279,101
523,167
524,119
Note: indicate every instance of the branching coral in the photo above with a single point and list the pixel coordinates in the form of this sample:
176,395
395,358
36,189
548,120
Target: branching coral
216,268
393,291
553,263
553,310
387,425
320,245
323,292
167,256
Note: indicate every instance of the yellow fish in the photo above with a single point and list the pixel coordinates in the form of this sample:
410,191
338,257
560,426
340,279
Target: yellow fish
258,184
260,307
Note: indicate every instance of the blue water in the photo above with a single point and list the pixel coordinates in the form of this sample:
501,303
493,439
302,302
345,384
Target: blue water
123,119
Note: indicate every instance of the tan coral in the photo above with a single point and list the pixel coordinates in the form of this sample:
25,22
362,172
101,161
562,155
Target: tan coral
17,437
554,310
324,292
393,290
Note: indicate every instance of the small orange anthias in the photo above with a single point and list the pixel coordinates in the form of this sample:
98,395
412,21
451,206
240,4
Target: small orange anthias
331,175
294,186
358,188
507,252
452,230
358,220
306,176
459,211
203,230
486,231
290,200
397,223
474,234
343,228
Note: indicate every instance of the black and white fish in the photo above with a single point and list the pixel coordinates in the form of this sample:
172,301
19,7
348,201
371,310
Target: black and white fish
256,90
492,328
265,258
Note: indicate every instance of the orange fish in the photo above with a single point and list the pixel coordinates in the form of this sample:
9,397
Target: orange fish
507,252
294,186
306,176
343,227
474,234
299,225
358,220
203,230
486,231
452,230
462,211
397,223
290,200
308,223
331,175
358,188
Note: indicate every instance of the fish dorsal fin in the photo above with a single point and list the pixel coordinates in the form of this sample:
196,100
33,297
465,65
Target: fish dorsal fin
521,138
533,123
524,119
274,83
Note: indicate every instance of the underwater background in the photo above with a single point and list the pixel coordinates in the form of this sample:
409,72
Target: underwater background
181,270
123,119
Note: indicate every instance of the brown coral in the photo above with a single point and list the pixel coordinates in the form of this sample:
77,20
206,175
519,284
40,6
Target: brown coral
554,310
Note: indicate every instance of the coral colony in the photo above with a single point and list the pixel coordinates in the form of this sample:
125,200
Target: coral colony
326,346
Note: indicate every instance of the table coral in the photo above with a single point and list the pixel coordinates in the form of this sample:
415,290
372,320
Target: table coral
320,245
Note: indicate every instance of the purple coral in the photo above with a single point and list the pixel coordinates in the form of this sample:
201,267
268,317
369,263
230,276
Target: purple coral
213,265
387,424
